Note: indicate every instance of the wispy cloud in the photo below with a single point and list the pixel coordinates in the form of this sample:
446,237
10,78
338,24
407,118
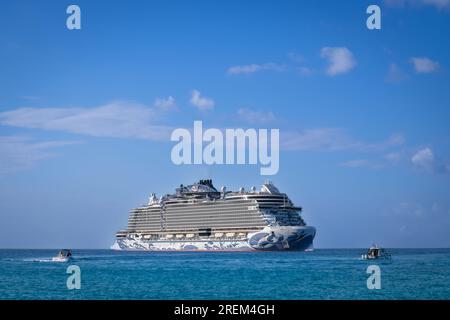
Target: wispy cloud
255,117
371,155
394,157
438,4
252,68
394,140
387,153
21,153
165,104
318,139
340,60
202,103
118,120
356,163
296,57
304,71
335,139
424,65
424,159
364,163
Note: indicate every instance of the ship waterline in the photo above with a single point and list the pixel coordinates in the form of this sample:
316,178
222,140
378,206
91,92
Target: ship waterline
199,217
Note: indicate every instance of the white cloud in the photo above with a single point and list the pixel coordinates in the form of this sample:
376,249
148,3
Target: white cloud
340,60
252,68
202,103
382,160
21,153
424,65
255,117
397,3
118,119
423,159
393,140
335,139
318,139
165,104
438,4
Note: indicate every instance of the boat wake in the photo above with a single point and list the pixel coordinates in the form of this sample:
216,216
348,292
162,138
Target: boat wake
42,260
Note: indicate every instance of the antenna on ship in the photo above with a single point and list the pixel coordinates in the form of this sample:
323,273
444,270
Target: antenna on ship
151,198
224,191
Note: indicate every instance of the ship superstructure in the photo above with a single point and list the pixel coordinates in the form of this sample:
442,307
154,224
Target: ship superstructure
199,217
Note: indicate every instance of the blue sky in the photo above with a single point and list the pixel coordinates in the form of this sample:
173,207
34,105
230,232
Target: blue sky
363,114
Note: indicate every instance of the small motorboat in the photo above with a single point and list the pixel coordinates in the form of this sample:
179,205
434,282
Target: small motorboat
63,256
376,252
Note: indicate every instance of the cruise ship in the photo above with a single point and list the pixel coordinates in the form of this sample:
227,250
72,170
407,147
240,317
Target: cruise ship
199,217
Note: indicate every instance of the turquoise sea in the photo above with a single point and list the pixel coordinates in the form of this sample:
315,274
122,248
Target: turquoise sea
321,274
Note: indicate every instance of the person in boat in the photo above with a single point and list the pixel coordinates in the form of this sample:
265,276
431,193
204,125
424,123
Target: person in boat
69,253
373,253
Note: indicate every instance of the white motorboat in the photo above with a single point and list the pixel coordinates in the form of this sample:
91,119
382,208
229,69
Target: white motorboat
63,256
376,252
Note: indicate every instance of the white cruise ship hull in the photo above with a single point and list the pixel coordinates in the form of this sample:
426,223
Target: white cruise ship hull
298,238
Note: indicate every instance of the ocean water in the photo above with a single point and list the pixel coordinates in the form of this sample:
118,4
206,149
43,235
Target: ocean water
321,274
